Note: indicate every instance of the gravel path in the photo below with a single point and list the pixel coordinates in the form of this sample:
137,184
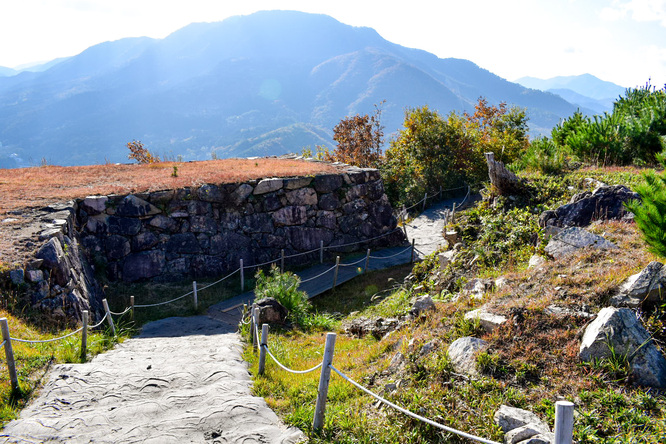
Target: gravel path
183,380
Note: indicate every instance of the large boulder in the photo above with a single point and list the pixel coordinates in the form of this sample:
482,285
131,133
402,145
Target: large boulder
572,239
270,311
522,426
617,331
605,203
646,286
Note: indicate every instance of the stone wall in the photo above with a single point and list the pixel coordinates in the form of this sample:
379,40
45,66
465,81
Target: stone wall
205,231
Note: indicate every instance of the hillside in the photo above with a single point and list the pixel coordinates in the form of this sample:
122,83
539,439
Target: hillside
268,83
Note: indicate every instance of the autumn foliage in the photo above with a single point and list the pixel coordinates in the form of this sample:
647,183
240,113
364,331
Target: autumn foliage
140,153
359,140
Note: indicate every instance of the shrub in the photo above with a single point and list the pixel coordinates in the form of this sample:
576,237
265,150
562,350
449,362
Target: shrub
140,153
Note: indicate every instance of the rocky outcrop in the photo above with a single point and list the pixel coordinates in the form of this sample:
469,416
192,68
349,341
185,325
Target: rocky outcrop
573,239
270,311
376,326
647,286
205,232
605,203
617,332
462,353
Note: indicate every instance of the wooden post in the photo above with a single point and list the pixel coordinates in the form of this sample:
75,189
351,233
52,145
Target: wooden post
321,252
322,394
564,416
282,261
108,316
254,327
453,214
9,354
84,336
412,260
335,273
132,307
242,276
425,200
367,260
196,295
404,226
262,350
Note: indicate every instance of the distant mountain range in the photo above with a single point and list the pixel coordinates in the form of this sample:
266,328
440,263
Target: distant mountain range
586,90
263,84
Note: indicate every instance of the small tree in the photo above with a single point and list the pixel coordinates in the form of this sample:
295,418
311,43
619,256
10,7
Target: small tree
650,213
359,140
141,154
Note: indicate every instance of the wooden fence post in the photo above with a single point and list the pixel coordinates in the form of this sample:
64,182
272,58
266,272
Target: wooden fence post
402,222
84,336
335,273
453,214
322,394
321,252
254,328
108,316
564,416
262,350
367,260
196,295
282,261
425,200
9,354
132,307
242,276
412,259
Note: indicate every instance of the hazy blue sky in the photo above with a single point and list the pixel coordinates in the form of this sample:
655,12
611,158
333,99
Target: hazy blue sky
623,41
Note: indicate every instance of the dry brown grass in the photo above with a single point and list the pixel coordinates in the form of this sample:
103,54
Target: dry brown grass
37,186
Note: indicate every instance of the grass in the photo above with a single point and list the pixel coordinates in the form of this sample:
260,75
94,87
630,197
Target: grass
31,187
33,360
532,360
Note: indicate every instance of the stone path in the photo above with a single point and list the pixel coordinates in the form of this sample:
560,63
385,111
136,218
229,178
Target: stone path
182,380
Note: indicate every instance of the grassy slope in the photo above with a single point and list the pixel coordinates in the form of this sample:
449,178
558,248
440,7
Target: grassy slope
532,361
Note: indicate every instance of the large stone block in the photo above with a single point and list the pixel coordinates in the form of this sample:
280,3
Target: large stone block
203,224
302,196
125,226
94,205
210,193
291,215
225,243
183,243
117,247
305,239
132,206
329,202
144,265
327,183
268,186
164,223
240,194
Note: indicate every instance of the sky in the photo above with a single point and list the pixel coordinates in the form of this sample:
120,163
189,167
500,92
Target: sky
622,41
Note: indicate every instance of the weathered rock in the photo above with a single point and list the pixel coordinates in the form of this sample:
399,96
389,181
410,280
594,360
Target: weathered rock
210,193
123,225
573,239
132,206
305,239
203,224
536,261
554,310
509,418
271,311
164,223
17,276
240,195
144,265
605,203
421,305
34,275
327,183
297,182
94,205
445,259
619,329
144,241
503,180
462,353
522,433
488,321
646,286
117,247
329,202
268,186
291,215
377,327
544,438
183,243
477,288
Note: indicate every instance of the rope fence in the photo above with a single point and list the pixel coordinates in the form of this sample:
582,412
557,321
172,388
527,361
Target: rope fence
564,410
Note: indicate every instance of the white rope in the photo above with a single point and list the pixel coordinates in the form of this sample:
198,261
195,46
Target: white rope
163,303
300,254
36,341
353,263
393,255
298,372
332,247
2,344
121,313
408,413
90,327
247,267
318,276
218,281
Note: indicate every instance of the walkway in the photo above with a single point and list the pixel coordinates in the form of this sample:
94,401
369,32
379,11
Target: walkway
182,380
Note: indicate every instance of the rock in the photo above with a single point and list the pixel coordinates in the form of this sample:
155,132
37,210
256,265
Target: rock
646,286
240,194
477,288
144,265
377,327
164,223
452,237
327,183
132,206
210,193
297,182
422,304
117,247
503,180
183,243
488,321
428,348
510,418
17,276
34,275
302,196
306,239
445,259
544,438
329,202
573,239
520,434
619,329
125,226
500,282
462,353
554,310
94,205
536,261
605,203
291,215
268,186
270,311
